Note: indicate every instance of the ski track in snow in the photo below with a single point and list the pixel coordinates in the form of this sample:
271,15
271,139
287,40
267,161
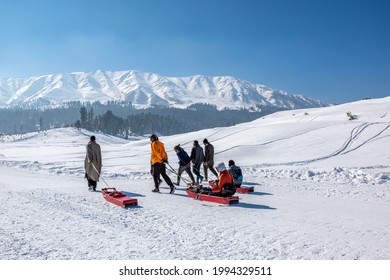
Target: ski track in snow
344,149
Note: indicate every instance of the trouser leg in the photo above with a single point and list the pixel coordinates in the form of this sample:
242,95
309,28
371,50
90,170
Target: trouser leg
156,175
188,170
179,172
213,171
164,174
205,167
196,169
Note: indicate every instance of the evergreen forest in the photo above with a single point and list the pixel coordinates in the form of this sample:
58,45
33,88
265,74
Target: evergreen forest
122,119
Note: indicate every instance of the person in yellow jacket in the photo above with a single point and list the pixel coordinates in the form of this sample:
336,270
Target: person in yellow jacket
158,159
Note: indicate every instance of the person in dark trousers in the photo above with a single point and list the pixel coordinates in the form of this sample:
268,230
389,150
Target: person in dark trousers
197,158
93,163
208,159
158,159
236,173
184,164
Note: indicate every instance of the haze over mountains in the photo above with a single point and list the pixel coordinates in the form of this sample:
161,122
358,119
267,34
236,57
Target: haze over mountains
144,90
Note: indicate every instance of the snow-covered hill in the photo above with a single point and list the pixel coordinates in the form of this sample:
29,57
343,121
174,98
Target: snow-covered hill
322,191
145,89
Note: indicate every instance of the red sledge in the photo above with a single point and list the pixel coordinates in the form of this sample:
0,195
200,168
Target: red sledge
245,190
238,190
212,198
118,198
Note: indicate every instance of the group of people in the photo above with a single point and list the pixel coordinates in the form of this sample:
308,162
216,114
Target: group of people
197,158
225,184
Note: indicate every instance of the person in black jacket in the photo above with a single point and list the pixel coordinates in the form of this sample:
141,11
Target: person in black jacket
197,158
184,164
208,159
236,173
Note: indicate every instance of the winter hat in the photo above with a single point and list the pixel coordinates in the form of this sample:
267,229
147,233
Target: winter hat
93,138
176,147
205,141
221,167
231,162
153,137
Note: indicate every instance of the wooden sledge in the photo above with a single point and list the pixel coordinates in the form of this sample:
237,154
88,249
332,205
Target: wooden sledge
118,198
211,198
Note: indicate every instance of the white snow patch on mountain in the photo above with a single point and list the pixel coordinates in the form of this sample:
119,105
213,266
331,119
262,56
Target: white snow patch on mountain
146,89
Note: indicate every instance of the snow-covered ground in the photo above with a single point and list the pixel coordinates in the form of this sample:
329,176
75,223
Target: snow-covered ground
322,192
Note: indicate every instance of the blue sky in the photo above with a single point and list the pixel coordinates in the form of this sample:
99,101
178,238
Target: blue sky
334,51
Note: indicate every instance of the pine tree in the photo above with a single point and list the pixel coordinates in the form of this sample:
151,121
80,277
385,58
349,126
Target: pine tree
41,124
83,117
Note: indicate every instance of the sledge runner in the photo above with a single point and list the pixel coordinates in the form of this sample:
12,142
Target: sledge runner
213,198
93,163
158,159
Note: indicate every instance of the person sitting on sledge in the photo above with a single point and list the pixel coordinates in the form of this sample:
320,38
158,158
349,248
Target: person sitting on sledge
236,173
224,186
158,159
93,163
184,164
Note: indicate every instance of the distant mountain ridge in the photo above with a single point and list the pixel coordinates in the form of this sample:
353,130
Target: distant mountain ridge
146,89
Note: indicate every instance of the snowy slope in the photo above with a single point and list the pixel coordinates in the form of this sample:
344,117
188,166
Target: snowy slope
322,191
145,89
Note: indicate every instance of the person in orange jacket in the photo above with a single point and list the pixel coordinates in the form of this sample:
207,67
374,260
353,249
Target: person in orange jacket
158,159
224,186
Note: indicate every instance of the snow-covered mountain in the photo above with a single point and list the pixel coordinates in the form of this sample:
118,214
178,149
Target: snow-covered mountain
145,89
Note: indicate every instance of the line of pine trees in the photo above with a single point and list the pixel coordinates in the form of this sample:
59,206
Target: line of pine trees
139,124
122,119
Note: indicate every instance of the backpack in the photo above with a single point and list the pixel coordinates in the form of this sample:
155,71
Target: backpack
237,174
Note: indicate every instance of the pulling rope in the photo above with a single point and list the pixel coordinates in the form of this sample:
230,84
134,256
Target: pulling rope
174,172
100,175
